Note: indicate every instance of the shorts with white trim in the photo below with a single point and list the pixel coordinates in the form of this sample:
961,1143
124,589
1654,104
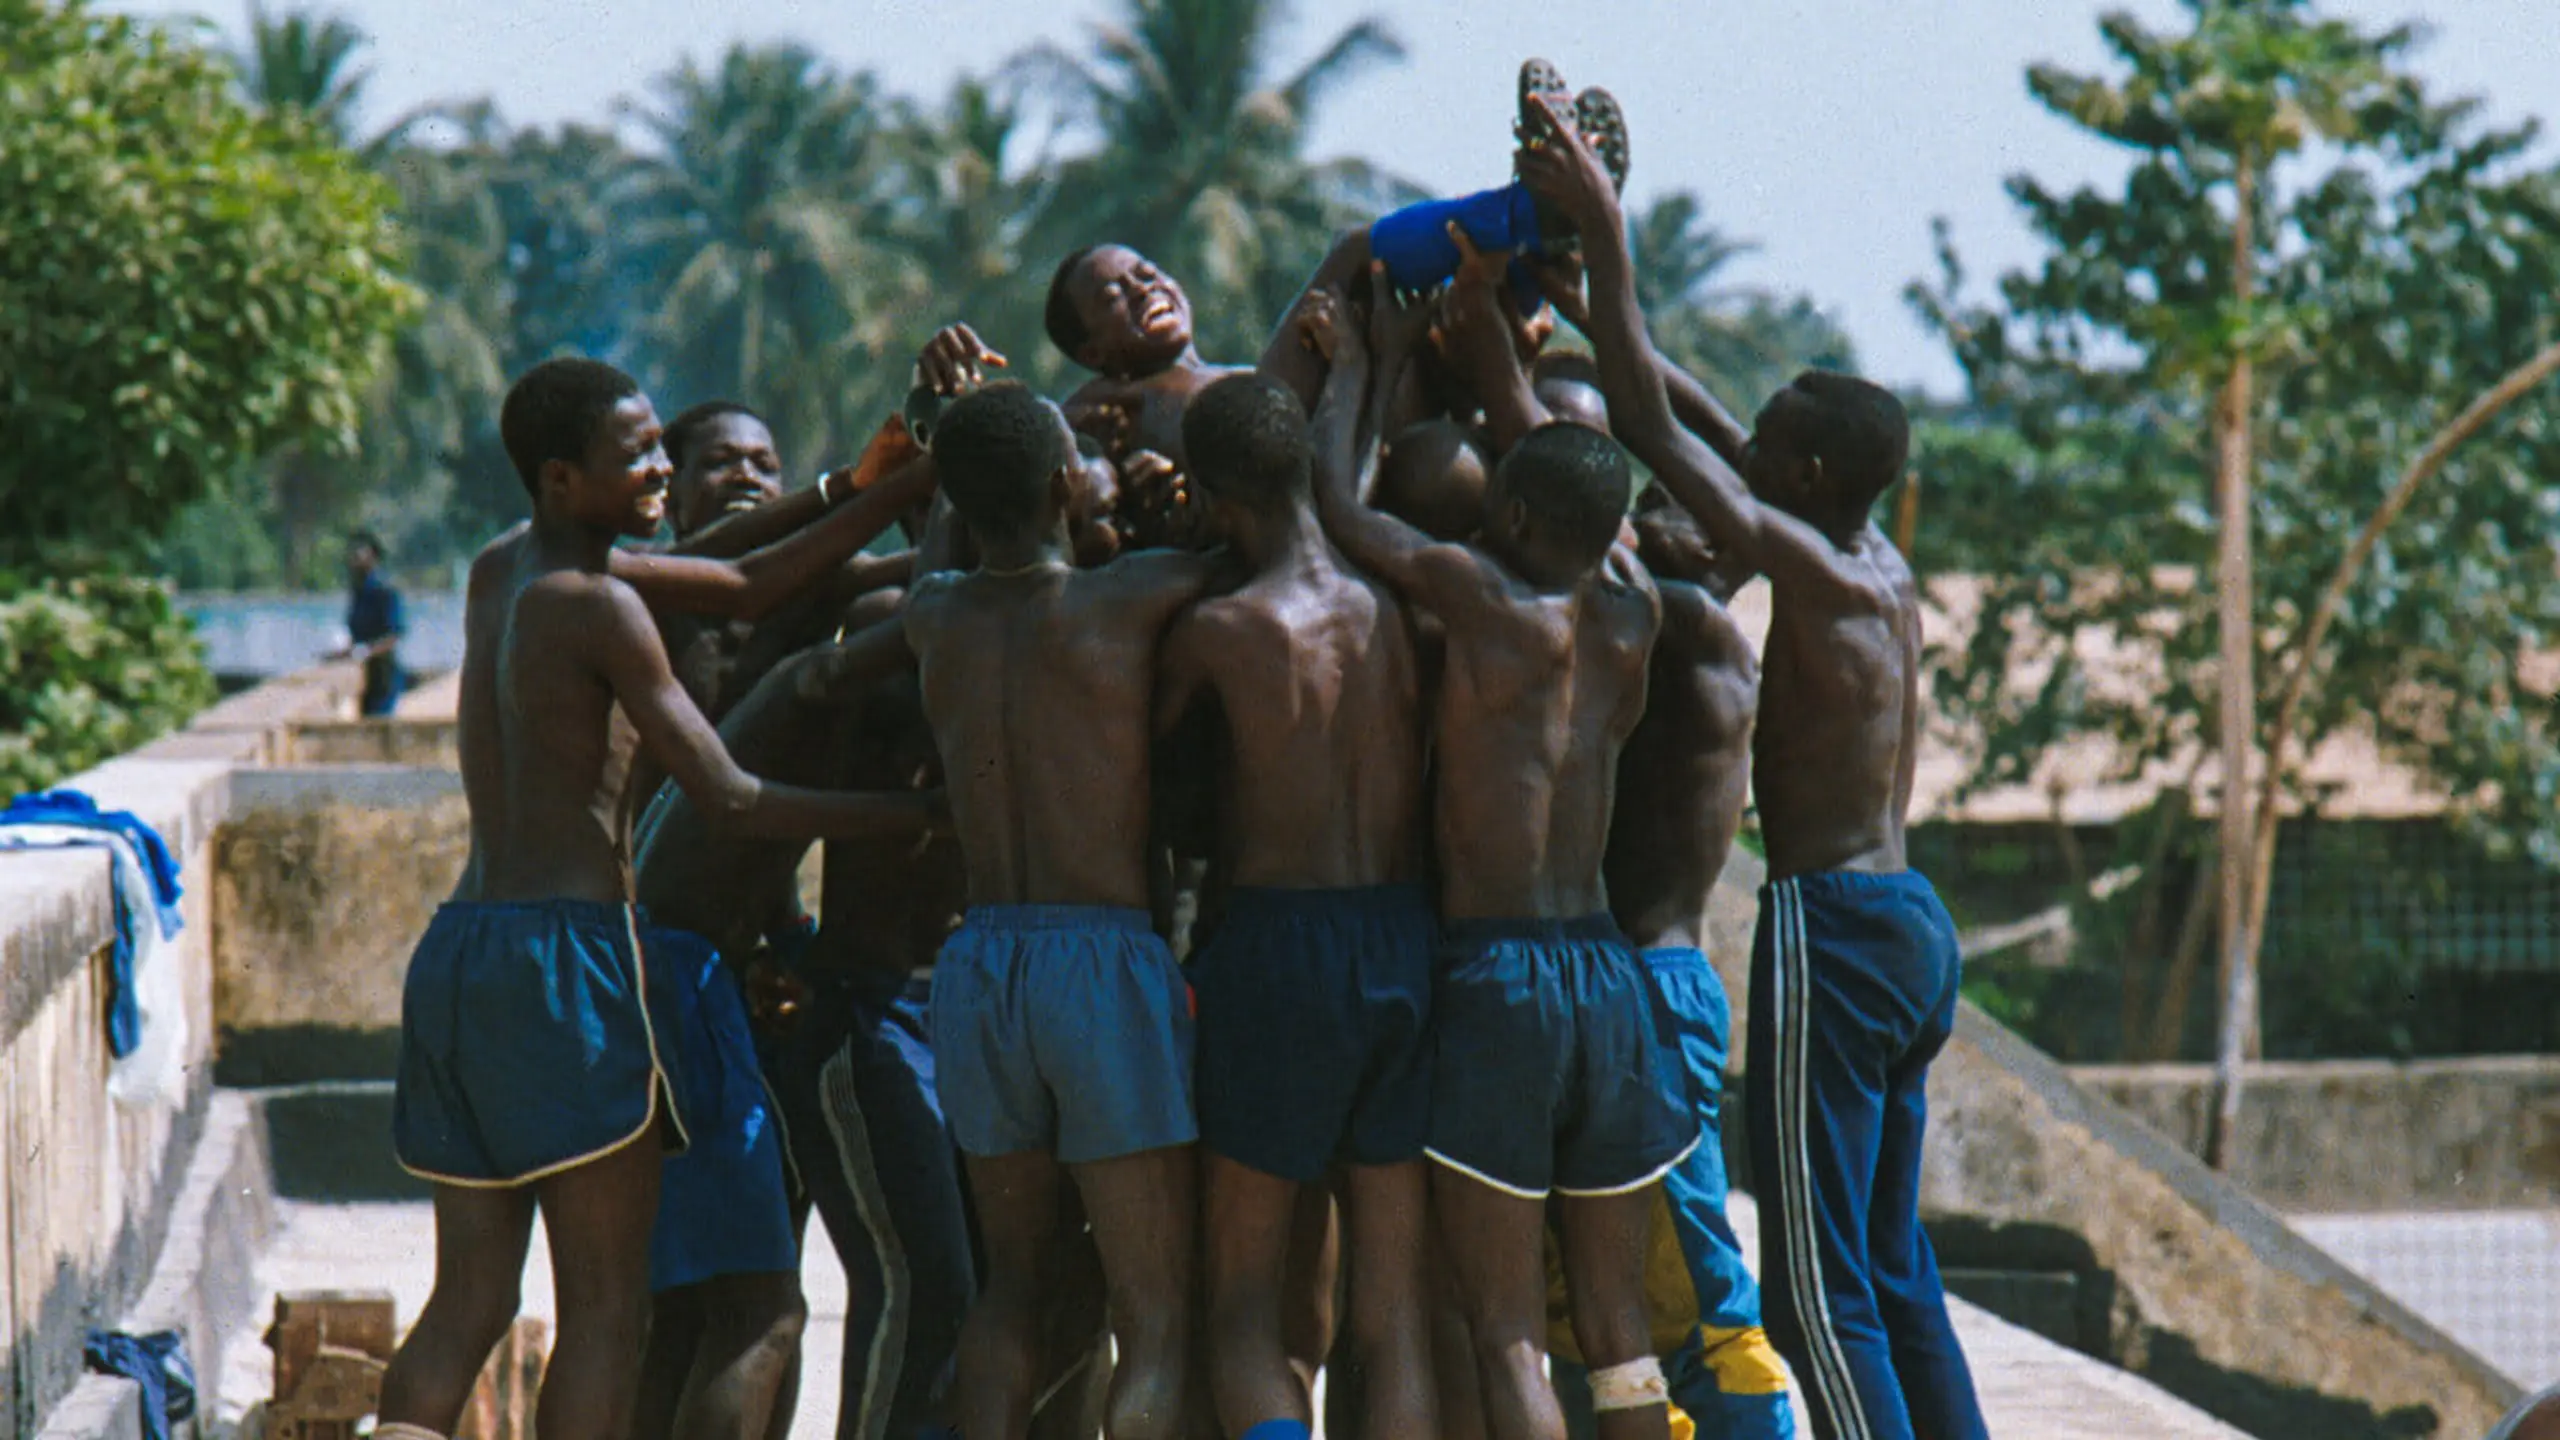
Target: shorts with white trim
528,1042
1853,993
1551,1060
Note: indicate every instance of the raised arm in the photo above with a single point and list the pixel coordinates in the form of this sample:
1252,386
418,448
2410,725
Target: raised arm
1561,169
1354,406
1290,357
1482,325
728,538
1698,411
675,734
749,587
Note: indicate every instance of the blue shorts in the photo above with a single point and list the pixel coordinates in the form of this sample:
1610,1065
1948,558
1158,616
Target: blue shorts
526,1043
1064,1028
1551,1060
1700,1020
1313,1038
724,1206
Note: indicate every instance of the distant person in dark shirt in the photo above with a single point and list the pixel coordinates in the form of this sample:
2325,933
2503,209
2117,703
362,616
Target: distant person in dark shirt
375,624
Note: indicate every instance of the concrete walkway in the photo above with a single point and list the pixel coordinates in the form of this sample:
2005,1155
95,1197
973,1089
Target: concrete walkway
2031,1388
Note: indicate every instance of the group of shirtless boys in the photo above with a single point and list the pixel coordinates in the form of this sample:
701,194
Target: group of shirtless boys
1269,816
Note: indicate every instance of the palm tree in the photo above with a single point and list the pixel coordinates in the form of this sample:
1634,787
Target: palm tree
960,216
751,232
304,61
1200,161
1742,344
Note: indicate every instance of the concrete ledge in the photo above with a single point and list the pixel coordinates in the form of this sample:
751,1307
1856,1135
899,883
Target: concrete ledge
323,787
399,740
100,1407
331,1141
2347,1137
206,1282
56,911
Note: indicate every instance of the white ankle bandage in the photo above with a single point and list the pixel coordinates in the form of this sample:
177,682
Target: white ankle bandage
1631,1386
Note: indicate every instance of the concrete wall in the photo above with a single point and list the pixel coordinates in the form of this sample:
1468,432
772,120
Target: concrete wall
323,878
2347,1137
91,1182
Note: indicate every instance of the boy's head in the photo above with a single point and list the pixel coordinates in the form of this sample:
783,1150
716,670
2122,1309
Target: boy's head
1008,462
1825,447
585,442
365,553
1568,385
1246,437
1674,546
1433,478
724,460
1112,311
1556,501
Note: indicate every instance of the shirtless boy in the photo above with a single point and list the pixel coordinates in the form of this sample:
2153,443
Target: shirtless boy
725,1259
1546,1076
1853,972
531,1075
1315,991
1061,1026
1681,784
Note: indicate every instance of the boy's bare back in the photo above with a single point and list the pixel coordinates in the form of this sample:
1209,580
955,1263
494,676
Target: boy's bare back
1038,687
1685,768
1317,669
1539,695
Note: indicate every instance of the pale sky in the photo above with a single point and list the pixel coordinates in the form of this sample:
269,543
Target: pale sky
1831,131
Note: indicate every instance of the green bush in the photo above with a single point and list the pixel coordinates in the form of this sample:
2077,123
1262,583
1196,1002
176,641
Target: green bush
89,668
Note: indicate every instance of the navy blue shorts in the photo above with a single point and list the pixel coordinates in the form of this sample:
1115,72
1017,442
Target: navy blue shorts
724,1206
1064,1028
1552,1064
527,1045
1314,1007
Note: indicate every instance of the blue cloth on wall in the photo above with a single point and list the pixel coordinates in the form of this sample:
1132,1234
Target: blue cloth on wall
145,880
158,1363
73,807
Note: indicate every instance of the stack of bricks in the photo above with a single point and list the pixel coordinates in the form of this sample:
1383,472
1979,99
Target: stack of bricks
332,1346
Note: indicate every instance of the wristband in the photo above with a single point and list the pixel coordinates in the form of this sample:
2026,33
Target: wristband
823,497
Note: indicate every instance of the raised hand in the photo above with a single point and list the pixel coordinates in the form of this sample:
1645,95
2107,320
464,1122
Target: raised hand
1108,419
1398,324
1557,165
1476,313
955,359
1560,280
1319,318
1155,500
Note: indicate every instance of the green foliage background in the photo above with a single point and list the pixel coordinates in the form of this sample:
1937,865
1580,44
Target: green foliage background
189,284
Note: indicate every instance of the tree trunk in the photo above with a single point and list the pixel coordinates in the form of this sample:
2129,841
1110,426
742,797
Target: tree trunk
2169,1017
2142,937
2333,597
2239,694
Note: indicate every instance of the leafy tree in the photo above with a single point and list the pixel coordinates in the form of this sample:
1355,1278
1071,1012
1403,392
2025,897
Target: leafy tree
2390,276
185,284
1744,345
90,668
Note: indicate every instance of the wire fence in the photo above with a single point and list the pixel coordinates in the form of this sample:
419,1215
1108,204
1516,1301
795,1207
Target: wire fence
2489,1279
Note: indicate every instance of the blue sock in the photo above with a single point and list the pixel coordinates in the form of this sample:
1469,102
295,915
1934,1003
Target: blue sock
1414,244
1279,1429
